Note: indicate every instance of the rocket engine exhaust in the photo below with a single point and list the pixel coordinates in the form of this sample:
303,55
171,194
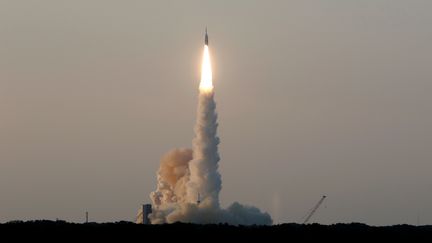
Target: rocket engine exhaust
189,181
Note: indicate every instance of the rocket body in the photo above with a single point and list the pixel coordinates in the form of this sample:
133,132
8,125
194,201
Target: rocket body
206,38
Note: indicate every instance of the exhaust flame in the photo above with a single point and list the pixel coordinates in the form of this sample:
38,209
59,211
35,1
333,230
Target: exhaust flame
206,83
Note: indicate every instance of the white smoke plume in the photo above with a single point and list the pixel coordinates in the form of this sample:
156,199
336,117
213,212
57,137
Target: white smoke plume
204,178
186,176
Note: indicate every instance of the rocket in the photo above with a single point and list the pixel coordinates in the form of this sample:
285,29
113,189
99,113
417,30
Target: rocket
206,38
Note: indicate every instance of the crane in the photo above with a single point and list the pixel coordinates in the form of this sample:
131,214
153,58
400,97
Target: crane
314,209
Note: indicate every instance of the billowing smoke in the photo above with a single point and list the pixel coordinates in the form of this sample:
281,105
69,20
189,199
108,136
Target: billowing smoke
189,181
204,178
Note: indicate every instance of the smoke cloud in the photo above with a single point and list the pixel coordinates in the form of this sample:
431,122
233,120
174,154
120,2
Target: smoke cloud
185,174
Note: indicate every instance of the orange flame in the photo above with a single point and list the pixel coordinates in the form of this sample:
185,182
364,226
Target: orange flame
206,83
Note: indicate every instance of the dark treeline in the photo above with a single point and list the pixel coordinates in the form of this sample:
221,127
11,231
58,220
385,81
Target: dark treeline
61,231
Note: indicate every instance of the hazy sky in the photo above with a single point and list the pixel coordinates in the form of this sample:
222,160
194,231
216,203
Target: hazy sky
314,97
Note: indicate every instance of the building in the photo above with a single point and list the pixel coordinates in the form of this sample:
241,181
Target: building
146,210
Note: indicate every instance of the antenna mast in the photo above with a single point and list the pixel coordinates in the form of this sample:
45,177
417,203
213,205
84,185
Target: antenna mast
314,209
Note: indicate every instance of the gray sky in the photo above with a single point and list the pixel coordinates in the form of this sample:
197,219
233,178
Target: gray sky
314,97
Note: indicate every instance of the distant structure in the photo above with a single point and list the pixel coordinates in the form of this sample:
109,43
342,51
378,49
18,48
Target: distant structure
314,209
86,217
199,199
146,210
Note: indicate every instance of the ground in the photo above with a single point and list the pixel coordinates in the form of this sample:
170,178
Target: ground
124,231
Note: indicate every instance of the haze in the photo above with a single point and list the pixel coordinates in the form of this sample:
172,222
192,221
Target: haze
314,98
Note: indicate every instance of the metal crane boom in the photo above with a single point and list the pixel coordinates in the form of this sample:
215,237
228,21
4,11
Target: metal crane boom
314,209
